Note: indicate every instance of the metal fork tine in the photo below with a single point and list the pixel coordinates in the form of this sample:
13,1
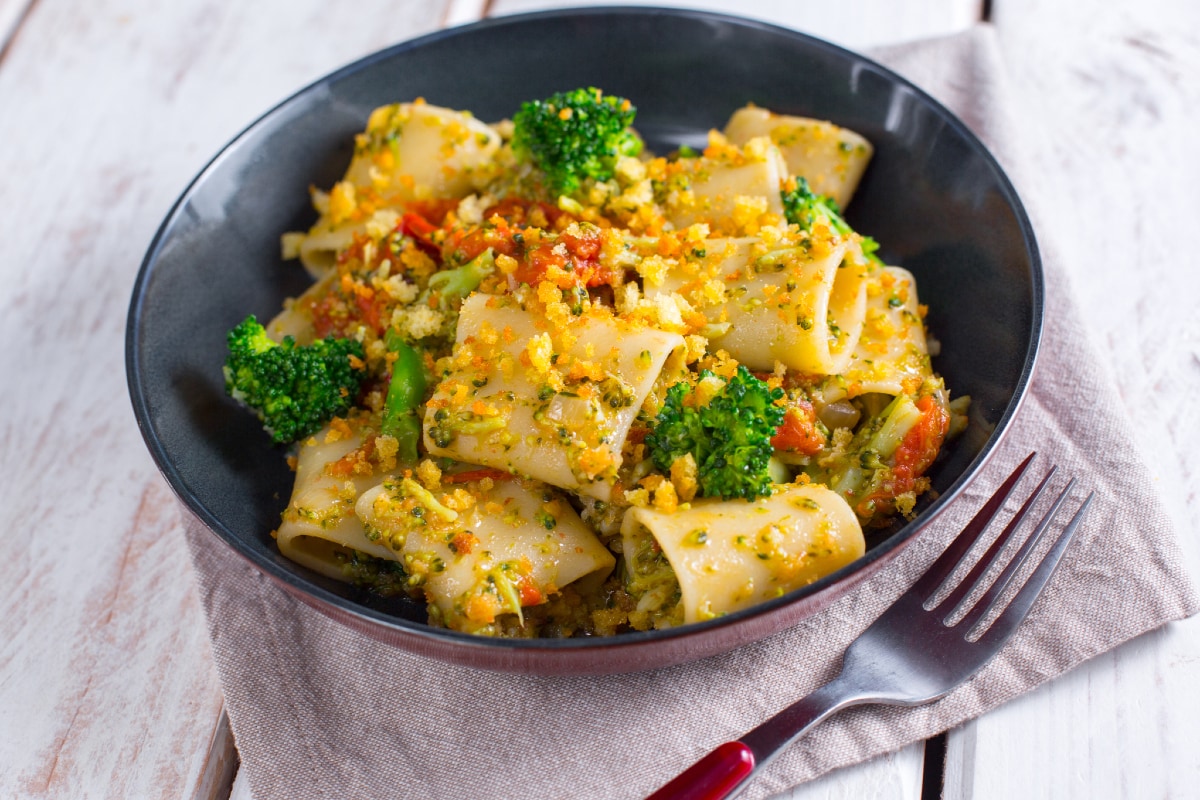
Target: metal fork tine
985,561
985,602
1004,625
929,583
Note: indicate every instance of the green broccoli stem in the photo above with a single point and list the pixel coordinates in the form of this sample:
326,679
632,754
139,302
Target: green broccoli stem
876,443
456,284
898,419
406,390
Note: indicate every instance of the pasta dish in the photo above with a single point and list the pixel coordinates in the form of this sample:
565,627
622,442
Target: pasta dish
553,385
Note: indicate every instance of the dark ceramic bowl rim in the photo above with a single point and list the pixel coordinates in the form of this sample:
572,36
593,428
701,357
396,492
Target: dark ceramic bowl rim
298,583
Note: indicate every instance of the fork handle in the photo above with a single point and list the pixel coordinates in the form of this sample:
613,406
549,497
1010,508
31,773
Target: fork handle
713,777
725,770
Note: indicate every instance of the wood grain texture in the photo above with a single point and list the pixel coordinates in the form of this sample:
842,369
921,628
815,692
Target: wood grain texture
106,683
851,23
1113,99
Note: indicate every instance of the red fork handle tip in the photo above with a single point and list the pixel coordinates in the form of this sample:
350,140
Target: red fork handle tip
713,777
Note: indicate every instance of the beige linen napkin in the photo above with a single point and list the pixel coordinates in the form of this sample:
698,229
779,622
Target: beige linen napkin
321,711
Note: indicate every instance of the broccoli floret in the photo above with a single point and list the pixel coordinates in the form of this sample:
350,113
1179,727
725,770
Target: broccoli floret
293,390
575,135
729,437
801,206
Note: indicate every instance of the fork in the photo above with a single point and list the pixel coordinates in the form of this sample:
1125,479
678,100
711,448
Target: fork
915,653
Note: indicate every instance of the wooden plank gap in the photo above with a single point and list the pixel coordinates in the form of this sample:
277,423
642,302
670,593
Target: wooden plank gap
13,14
220,765
933,771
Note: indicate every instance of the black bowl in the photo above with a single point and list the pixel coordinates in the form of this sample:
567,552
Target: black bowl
933,196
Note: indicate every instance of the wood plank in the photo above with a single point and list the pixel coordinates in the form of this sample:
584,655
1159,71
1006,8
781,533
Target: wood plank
241,788
220,764
106,683
852,23
1113,99
896,776
463,12
11,14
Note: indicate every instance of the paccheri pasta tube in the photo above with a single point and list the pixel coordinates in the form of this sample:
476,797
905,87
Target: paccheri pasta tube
800,306
832,158
720,556
552,402
483,547
409,152
476,545
552,385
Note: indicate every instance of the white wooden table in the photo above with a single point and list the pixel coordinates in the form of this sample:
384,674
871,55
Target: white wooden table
108,107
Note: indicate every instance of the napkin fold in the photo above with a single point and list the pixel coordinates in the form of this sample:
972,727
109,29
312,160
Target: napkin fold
319,710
